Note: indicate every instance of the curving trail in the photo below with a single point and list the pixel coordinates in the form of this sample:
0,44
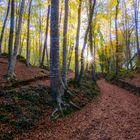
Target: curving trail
114,115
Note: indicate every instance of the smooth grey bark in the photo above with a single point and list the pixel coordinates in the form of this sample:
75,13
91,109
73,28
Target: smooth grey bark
111,44
87,62
16,43
28,35
117,42
92,54
91,32
21,45
125,28
5,44
70,54
11,35
56,87
3,27
85,41
136,13
40,37
65,28
77,42
46,39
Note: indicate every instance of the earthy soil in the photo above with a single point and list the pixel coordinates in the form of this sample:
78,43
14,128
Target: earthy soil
24,73
132,77
134,80
114,115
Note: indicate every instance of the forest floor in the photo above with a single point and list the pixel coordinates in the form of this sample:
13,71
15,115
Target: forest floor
114,115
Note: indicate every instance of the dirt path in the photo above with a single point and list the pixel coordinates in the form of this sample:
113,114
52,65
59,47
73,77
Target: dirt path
115,115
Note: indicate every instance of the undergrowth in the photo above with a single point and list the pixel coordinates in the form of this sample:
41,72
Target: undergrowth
21,110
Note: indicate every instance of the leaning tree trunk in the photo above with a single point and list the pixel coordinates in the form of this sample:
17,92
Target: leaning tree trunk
77,42
28,35
11,35
65,28
13,59
3,27
46,37
85,41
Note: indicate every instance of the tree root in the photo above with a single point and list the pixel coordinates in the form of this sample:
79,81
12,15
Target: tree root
11,77
63,101
74,105
59,110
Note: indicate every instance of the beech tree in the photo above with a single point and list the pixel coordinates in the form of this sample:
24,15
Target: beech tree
85,41
117,42
28,35
4,25
16,43
136,16
56,85
46,39
65,28
11,35
77,42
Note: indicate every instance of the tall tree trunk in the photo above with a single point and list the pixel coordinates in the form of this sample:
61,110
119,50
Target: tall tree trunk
46,38
117,43
65,28
125,26
56,87
91,46
5,44
11,35
87,61
3,27
111,45
40,37
13,59
92,55
21,45
28,35
77,42
70,54
85,41
136,28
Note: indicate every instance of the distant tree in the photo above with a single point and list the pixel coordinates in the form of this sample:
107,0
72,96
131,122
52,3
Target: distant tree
85,41
28,35
46,37
136,13
91,45
117,42
16,43
4,25
65,28
77,42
